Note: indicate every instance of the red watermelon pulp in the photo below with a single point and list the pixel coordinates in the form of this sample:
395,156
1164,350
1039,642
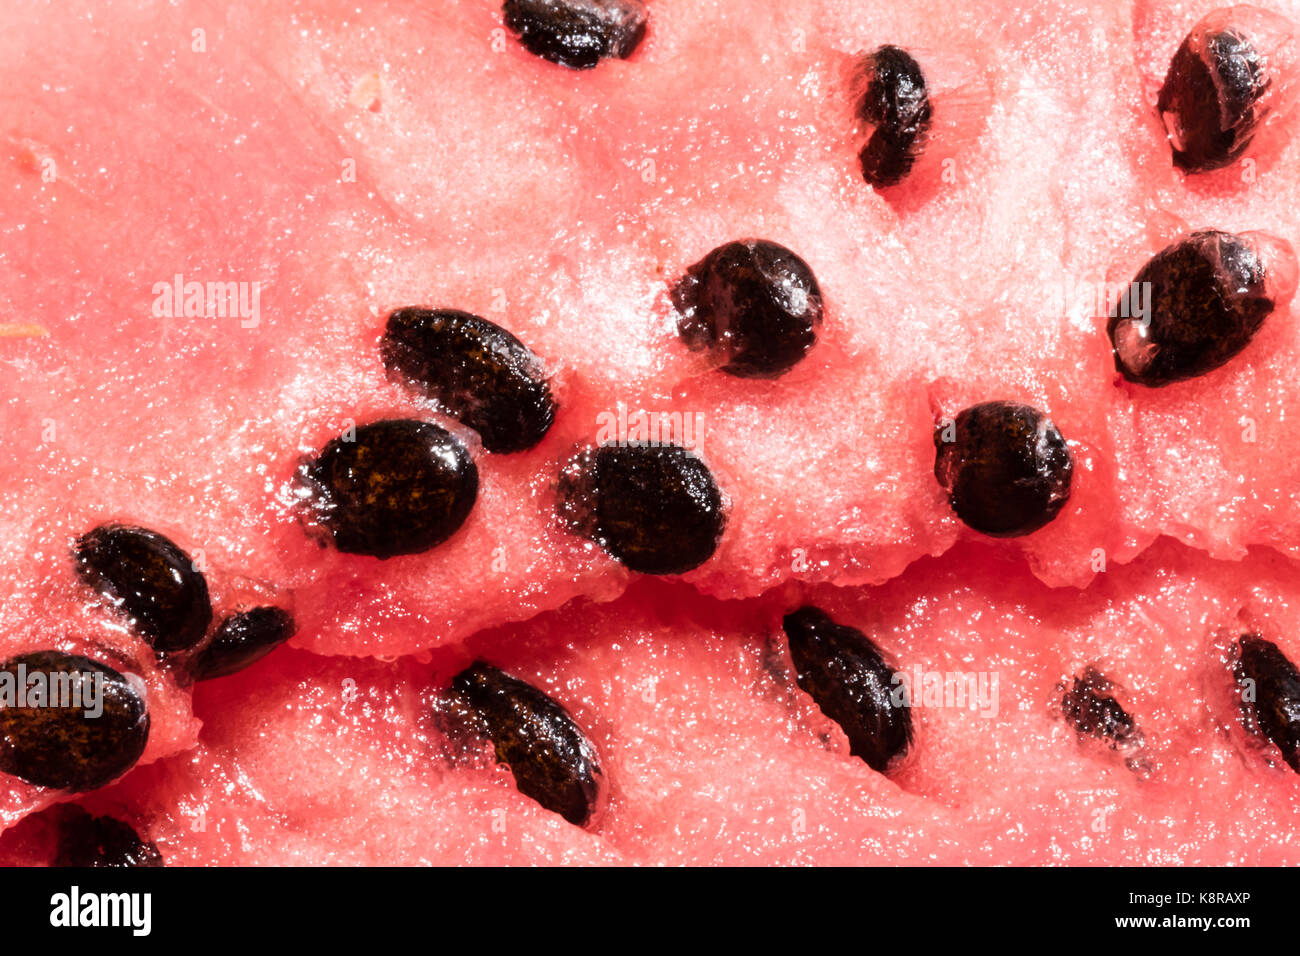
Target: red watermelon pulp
212,212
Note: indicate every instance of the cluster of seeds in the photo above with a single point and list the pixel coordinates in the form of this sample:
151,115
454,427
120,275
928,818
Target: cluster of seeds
89,723
161,590
754,307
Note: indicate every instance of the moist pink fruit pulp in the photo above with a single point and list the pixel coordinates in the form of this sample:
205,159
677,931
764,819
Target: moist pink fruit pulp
351,162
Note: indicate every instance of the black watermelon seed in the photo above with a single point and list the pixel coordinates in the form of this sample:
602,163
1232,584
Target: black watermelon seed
151,579
478,371
1210,100
1091,709
577,33
848,678
1270,689
897,107
1005,467
399,486
1208,295
242,639
552,760
52,745
89,841
655,508
753,304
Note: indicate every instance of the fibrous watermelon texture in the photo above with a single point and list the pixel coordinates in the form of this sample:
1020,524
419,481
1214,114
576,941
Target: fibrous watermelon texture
314,167
711,753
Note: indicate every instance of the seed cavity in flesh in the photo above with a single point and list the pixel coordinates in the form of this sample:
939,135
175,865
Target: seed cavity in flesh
1005,466
1213,99
90,841
151,579
1091,709
753,305
848,678
577,33
1089,704
476,370
896,105
1269,685
393,487
1197,303
655,508
240,640
68,722
551,758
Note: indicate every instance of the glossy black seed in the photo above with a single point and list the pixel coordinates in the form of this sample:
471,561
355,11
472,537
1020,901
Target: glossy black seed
89,841
1207,295
1090,707
1210,100
240,640
398,487
753,304
849,679
151,579
478,371
552,760
897,107
1270,687
656,509
88,726
577,33
1005,467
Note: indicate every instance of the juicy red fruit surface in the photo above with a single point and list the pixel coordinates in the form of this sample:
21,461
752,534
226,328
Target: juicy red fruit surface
440,155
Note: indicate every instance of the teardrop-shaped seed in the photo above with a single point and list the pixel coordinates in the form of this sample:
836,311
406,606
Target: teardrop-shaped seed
1270,694
847,676
551,758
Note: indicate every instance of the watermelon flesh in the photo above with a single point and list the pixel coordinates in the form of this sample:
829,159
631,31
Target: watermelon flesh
713,755
351,164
